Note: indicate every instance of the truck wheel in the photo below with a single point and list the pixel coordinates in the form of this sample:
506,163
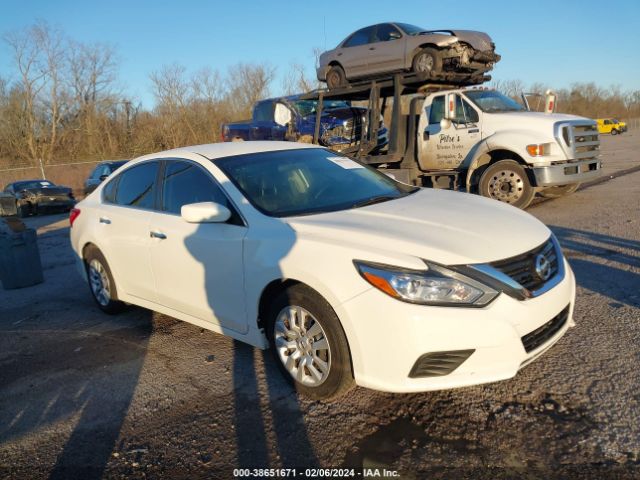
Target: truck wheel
308,343
336,77
614,132
427,60
507,182
559,191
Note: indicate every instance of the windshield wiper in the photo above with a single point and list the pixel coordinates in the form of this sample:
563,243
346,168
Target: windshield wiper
374,200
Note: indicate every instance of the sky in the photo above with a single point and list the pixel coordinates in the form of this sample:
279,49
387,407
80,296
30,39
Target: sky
556,43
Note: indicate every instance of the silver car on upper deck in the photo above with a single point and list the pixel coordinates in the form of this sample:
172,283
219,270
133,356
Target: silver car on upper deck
390,47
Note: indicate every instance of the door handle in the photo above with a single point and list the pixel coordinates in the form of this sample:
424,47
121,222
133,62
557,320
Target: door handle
339,54
425,135
105,220
159,235
372,48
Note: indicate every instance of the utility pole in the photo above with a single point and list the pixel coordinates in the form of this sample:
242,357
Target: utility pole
41,168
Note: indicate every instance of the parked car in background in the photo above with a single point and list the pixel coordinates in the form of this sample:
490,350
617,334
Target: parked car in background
32,197
611,125
100,173
341,125
393,47
347,275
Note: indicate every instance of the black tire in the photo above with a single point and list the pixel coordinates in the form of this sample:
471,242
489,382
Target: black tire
336,77
614,131
23,210
112,305
559,191
427,60
339,377
507,181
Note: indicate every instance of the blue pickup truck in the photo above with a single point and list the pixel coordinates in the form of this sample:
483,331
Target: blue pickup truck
341,125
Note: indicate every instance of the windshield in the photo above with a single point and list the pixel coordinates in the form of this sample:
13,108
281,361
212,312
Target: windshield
491,101
306,181
31,184
308,107
411,29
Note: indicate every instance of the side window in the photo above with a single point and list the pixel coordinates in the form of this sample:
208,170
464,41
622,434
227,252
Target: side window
464,112
137,186
186,183
386,32
436,113
607,122
361,37
264,112
109,191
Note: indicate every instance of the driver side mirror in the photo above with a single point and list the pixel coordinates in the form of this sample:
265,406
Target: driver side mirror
103,177
205,212
445,124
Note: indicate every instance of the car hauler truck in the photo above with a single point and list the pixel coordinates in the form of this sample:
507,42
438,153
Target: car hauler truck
449,133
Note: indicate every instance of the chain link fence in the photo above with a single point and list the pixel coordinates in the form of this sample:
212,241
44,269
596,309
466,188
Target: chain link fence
70,174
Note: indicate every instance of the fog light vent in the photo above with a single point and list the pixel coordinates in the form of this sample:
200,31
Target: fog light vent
437,364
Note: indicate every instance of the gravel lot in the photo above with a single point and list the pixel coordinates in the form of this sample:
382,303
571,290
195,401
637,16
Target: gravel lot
86,395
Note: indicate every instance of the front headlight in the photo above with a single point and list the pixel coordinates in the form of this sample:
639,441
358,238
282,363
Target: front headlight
436,285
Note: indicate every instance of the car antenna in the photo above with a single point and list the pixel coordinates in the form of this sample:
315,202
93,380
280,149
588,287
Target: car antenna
324,28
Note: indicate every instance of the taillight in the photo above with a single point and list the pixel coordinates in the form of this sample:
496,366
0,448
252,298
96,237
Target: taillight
73,214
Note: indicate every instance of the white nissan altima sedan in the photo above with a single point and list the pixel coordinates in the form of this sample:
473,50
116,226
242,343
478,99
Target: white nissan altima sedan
349,276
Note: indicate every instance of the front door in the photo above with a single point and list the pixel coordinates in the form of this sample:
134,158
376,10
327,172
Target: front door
198,268
386,52
447,149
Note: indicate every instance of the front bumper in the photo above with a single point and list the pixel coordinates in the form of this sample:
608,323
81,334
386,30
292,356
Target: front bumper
567,173
387,337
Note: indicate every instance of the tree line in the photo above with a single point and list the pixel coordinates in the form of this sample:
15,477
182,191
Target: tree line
62,101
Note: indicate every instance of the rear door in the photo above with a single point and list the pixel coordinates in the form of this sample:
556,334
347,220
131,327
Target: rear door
123,228
354,53
386,52
198,268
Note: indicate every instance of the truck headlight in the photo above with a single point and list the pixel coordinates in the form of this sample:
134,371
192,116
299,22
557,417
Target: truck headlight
436,285
539,149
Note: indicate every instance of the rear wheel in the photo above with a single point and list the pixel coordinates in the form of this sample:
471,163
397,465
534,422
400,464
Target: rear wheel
336,77
507,181
427,60
308,343
101,283
614,132
559,191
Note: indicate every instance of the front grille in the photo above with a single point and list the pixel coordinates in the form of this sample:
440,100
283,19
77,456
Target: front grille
583,140
542,334
438,364
522,268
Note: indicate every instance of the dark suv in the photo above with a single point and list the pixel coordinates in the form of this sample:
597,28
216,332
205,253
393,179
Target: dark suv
102,171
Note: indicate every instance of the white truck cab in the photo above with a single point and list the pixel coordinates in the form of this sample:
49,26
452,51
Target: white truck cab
505,151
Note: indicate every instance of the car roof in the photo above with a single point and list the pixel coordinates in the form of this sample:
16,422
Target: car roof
229,149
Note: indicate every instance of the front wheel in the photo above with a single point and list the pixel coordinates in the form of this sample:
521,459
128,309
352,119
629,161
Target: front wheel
614,132
309,344
507,181
427,60
559,191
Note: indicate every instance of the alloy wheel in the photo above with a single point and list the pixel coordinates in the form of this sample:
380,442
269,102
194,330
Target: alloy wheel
302,346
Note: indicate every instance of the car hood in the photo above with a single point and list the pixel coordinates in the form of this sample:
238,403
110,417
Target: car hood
478,40
446,227
538,122
49,191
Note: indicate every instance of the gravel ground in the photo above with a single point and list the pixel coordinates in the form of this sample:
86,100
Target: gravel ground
86,395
